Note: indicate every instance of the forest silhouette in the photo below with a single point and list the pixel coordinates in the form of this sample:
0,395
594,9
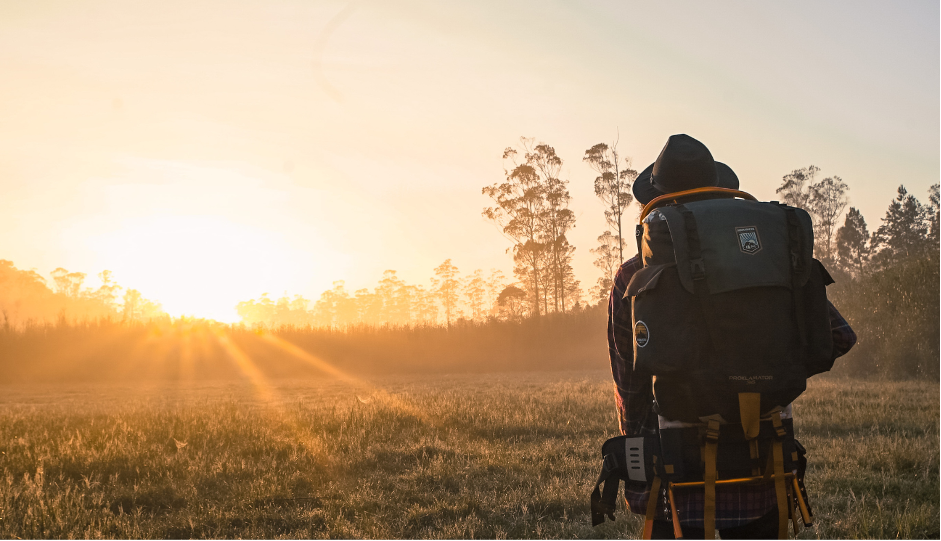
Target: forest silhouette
886,287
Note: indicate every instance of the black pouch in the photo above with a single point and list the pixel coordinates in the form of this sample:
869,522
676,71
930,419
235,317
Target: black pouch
667,322
627,458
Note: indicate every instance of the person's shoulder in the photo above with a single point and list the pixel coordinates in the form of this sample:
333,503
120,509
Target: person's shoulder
627,270
632,265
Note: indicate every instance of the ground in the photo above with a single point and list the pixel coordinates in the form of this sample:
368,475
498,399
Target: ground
491,456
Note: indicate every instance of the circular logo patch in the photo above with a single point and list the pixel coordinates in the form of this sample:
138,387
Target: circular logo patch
641,334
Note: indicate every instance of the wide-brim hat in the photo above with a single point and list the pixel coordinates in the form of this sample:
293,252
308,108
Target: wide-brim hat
683,164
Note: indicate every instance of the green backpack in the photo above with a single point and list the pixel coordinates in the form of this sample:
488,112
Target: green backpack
730,317
730,300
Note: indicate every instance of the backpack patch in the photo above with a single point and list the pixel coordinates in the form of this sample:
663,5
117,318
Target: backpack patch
748,240
641,334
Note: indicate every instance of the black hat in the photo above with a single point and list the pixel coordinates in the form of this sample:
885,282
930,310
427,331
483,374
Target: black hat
683,164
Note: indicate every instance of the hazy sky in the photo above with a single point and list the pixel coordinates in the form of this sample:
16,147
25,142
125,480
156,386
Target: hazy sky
207,152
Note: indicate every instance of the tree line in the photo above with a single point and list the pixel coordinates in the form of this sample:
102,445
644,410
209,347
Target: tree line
25,296
449,297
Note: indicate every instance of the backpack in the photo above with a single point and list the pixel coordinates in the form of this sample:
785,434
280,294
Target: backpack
730,317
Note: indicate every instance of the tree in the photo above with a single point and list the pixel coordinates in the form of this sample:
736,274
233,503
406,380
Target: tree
796,189
68,283
107,294
933,215
558,220
335,307
511,303
475,290
495,285
612,186
532,208
425,306
825,201
396,302
609,252
904,230
520,204
852,243
448,289
368,307
828,201
136,307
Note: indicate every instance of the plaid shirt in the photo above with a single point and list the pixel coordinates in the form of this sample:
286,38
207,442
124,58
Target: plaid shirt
735,505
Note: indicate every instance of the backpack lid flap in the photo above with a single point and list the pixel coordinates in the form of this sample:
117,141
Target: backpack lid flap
743,244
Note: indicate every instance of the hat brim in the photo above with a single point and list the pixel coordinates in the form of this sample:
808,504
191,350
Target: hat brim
644,192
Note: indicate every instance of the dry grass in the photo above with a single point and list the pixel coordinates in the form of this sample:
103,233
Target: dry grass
488,456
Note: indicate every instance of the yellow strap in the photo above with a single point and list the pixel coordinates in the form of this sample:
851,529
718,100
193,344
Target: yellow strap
651,508
790,510
677,529
749,409
709,500
805,511
753,451
769,467
780,492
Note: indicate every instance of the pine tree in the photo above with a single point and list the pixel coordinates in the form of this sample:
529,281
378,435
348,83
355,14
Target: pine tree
904,230
852,243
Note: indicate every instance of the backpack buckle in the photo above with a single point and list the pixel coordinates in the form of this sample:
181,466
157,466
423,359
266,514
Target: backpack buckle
610,463
712,431
698,268
795,260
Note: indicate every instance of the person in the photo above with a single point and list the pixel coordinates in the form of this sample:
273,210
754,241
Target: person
741,511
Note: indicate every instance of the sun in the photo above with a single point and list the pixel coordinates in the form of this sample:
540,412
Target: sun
196,265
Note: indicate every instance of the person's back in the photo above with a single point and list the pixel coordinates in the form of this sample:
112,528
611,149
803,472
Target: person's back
750,510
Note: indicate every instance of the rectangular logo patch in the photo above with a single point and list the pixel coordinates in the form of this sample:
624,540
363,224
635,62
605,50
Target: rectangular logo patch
748,240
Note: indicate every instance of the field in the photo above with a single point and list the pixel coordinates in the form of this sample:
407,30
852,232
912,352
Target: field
487,456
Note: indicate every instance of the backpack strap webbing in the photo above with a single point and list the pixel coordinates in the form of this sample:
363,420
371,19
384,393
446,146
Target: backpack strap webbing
797,268
709,499
790,509
651,507
677,529
779,487
605,505
749,408
698,272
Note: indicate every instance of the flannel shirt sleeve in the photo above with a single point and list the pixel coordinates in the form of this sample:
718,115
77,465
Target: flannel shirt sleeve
633,392
843,336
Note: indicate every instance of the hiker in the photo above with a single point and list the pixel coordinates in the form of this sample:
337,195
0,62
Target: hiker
740,511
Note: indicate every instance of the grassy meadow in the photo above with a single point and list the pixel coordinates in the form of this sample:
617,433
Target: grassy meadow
461,456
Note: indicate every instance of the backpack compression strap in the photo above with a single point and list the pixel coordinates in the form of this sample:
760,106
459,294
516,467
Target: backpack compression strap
749,410
709,500
797,267
651,507
698,272
605,505
779,487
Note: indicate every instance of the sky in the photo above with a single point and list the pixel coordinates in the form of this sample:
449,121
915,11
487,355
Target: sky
208,152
